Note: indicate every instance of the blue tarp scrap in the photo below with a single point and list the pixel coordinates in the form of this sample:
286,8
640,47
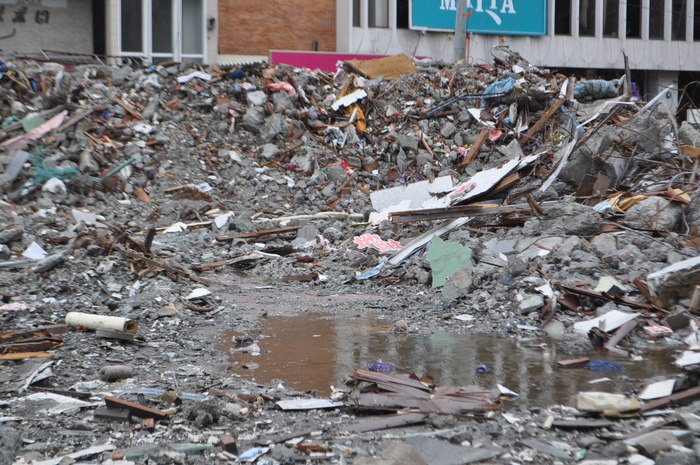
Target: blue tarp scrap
498,87
596,89
371,273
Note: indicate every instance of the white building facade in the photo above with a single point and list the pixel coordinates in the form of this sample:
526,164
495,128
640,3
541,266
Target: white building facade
660,37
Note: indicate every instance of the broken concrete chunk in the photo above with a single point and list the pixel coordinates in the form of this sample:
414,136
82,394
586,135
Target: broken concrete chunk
407,142
439,452
274,126
531,303
112,414
254,117
448,130
512,151
10,444
654,213
555,330
604,245
269,151
11,234
304,235
337,173
257,97
677,281
397,453
678,320
547,449
656,442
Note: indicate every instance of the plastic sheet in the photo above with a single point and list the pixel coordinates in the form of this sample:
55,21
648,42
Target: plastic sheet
596,89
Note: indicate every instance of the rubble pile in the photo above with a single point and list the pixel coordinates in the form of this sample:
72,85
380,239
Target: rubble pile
147,209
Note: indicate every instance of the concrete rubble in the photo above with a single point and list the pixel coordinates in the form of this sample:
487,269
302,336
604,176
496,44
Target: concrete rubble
191,204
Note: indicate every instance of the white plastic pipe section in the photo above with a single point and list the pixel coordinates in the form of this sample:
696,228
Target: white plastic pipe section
95,322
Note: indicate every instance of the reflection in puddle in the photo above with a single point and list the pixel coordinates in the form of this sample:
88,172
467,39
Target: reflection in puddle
311,352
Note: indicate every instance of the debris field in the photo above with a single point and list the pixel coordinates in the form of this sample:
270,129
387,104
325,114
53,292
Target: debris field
149,212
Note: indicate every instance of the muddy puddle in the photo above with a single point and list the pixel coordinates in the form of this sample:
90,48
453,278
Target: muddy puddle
313,352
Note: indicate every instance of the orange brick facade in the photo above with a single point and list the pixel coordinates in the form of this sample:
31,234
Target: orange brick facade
252,27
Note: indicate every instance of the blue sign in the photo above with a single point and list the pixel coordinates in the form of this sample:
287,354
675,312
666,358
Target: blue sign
502,17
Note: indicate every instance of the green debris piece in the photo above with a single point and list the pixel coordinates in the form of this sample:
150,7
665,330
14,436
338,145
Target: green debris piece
32,122
43,173
114,171
445,258
8,121
191,447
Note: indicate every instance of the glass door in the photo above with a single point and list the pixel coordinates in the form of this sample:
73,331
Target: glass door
163,30
192,30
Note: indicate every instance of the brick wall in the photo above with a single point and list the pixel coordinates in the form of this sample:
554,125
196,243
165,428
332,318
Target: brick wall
252,27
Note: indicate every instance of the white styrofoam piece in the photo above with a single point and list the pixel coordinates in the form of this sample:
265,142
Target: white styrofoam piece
658,389
349,99
417,193
688,358
34,252
611,320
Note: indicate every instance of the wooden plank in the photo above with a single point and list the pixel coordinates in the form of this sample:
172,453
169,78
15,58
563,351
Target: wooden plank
63,392
284,437
128,108
80,116
582,423
611,297
23,334
375,377
25,355
688,394
475,148
574,362
31,346
537,127
379,423
619,335
639,432
506,182
259,233
458,211
137,410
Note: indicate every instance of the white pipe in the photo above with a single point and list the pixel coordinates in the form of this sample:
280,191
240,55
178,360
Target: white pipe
91,321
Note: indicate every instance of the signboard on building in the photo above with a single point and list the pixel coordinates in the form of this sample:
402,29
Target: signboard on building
503,17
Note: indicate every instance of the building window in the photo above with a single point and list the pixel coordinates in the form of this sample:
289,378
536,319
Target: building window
162,27
656,19
378,13
132,26
586,18
192,36
678,13
611,10
402,14
696,21
634,19
562,17
356,13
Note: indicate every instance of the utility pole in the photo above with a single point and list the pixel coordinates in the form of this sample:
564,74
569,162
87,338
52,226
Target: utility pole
460,48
